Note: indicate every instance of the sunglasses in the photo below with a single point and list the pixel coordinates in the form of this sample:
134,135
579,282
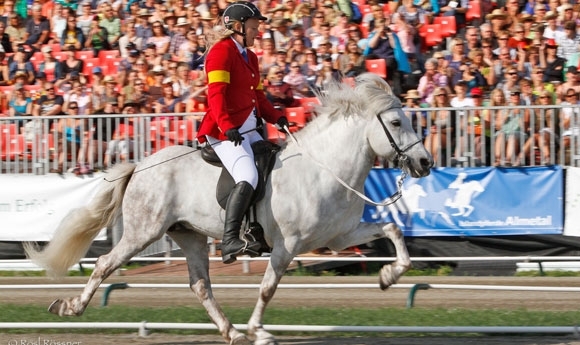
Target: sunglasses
572,95
515,94
138,84
513,73
544,97
73,108
441,94
475,96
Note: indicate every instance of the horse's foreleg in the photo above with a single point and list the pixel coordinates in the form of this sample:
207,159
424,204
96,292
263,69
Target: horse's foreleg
194,247
367,232
279,261
105,265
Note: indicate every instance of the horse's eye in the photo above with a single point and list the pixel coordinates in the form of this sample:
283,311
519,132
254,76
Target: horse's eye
396,123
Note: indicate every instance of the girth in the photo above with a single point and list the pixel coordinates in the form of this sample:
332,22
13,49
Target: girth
265,157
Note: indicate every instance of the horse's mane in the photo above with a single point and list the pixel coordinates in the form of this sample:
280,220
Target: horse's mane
370,96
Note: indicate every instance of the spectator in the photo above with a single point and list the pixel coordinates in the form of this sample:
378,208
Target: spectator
142,69
179,9
316,29
71,67
20,105
340,30
268,57
417,117
168,103
113,26
121,145
538,84
471,77
80,96
511,79
512,133
527,95
139,98
572,82
97,89
180,36
481,68
431,80
570,120
351,63
327,74
7,12
297,52
527,60
327,39
497,18
311,67
126,65
159,38
197,101
382,44
16,30
68,137
297,80
97,38
551,29
552,64
519,40
544,135
569,42
188,52
72,35
280,33
85,19
182,84
5,44
156,83
442,128
278,92
50,66
502,48
408,22
20,65
376,14
58,21
472,40
142,28
4,71
37,29
457,55
110,94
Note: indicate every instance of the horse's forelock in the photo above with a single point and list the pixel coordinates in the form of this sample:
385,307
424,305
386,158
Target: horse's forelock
370,96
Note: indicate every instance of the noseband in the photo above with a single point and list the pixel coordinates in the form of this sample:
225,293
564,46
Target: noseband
401,159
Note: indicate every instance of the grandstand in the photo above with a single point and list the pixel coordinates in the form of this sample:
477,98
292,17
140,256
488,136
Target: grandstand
112,58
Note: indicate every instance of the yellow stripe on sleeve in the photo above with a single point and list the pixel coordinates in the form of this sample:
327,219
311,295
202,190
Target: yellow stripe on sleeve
218,76
260,85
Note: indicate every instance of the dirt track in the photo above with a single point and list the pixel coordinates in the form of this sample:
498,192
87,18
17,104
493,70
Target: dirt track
370,298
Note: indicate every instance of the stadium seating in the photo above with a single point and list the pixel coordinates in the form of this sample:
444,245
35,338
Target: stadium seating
448,25
473,10
274,135
182,131
12,147
296,117
431,33
377,66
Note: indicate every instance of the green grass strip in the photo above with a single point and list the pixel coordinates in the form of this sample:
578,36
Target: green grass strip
295,316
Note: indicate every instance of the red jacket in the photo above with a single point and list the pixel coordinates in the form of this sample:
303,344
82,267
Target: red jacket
234,89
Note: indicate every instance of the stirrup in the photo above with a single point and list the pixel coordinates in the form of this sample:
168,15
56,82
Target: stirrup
251,248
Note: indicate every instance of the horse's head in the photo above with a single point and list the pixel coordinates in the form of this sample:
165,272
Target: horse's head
390,133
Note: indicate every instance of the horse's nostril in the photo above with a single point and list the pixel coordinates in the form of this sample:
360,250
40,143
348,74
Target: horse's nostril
426,163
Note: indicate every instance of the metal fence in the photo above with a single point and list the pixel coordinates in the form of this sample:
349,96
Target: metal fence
473,137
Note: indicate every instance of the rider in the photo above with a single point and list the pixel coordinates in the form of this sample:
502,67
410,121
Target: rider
236,102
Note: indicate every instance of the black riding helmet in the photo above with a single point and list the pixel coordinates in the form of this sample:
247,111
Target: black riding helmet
241,11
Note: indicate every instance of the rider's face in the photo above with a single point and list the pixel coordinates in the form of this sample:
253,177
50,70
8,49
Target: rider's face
251,31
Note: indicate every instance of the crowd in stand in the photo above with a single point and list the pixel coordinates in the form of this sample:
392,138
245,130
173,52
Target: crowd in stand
147,56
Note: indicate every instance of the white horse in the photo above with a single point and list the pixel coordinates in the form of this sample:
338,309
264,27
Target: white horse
304,207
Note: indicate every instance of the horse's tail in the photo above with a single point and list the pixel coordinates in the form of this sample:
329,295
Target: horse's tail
77,230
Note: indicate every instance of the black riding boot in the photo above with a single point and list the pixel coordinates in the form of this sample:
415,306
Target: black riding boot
236,207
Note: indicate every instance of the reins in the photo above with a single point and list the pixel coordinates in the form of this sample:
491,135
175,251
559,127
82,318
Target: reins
176,157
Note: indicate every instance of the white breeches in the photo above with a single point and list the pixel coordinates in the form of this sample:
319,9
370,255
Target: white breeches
239,160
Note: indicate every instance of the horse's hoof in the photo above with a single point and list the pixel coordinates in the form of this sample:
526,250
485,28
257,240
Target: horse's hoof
386,277
55,307
240,340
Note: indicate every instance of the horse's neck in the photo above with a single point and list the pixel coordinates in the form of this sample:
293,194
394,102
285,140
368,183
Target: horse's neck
339,145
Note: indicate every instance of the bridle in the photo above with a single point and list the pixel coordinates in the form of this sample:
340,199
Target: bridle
401,160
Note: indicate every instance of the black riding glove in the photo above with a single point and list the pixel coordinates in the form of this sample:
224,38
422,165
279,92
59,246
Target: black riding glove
282,123
234,136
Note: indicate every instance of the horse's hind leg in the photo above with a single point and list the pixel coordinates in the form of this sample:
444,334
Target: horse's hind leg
127,247
194,247
367,232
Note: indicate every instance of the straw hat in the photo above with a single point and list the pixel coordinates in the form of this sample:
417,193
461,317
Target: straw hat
109,79
181,21
144,13
551,15
414,94
278,8
206,16
526,17
496,14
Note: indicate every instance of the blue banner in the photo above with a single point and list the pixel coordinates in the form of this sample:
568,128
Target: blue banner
471,202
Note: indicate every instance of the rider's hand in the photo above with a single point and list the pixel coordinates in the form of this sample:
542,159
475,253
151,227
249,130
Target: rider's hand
234,136
282,123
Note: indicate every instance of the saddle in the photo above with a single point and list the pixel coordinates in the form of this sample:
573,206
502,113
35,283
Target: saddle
265,158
